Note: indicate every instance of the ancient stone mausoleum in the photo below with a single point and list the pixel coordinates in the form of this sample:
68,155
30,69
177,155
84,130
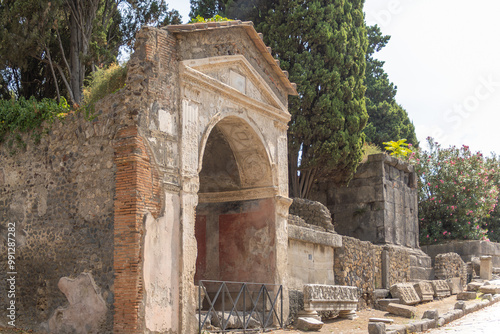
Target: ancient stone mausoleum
182,176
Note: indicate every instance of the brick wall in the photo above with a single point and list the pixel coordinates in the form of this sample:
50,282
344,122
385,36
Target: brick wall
137,192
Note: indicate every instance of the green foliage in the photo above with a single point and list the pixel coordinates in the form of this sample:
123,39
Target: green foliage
398,149
458,192
28,116
322,45
49,47
216,18
387,119
101,83
207,8
248,10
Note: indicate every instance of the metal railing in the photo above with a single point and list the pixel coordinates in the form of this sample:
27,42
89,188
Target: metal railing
261,313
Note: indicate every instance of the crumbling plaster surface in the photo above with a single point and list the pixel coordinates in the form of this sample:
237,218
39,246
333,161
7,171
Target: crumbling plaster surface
86,311
161,268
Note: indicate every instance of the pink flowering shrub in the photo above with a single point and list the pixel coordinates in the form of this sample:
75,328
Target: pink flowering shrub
458,192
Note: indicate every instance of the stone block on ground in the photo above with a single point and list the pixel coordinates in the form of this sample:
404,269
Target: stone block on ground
460,305
424,290
396,329
467,295
486,267
491,289
380,293
406,293
441,289
384,320
474,286
348,314
376,328
382,303
455,285
309,324
431,314
402,310
488,297
321,297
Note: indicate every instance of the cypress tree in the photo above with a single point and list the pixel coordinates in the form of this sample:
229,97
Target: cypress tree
322,44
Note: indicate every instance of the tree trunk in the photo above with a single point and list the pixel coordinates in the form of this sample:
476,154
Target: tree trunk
76,64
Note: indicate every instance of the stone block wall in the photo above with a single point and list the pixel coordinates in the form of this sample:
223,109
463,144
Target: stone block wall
467,250
379,204
450,265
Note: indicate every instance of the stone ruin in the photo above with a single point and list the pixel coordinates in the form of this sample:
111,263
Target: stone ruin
181,178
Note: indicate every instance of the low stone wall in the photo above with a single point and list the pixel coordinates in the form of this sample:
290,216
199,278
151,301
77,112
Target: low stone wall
450,265
368,266
467,250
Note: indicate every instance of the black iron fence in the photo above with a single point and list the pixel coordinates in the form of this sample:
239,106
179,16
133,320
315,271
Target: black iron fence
238,306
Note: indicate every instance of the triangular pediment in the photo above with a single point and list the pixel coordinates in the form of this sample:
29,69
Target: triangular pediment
237,73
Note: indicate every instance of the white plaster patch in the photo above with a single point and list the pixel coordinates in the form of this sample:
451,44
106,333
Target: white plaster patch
237,81
167,122
161,268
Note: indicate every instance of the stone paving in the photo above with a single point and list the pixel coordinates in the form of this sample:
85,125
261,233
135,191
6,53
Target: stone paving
485,321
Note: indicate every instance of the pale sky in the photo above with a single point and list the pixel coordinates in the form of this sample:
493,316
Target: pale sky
444,57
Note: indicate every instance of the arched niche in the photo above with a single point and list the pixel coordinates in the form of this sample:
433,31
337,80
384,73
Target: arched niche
235,224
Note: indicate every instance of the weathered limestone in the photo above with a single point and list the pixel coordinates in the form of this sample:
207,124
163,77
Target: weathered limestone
384,320
455,285
467,295
382,303
309,324
376,328
486,268
491,289
319,297
474,286
424,290
402,310
431,314
441,289
406,293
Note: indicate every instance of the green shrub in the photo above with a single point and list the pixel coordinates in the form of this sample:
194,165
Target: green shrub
101,83
201,19
369,149
28,116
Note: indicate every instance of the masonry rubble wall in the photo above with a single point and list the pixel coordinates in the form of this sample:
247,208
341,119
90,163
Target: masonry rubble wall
378,205
450,265
467,250
59,194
